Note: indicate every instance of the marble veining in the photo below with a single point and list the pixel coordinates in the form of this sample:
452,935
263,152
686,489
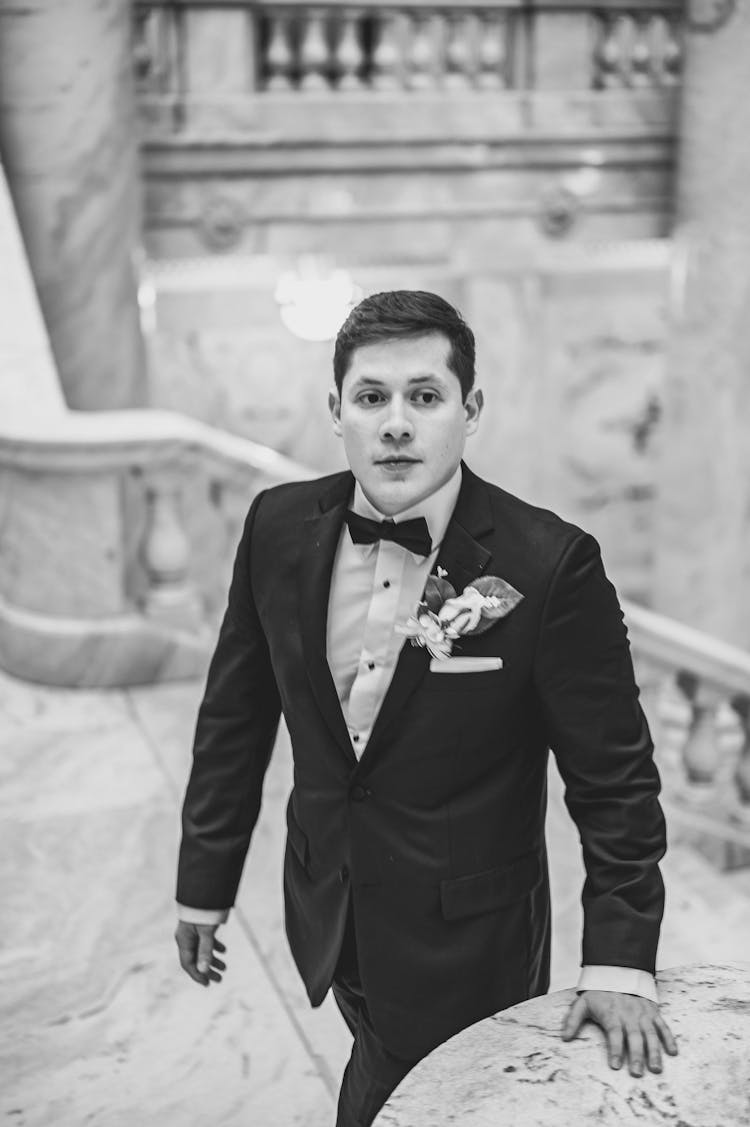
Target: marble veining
512,1068
99,1024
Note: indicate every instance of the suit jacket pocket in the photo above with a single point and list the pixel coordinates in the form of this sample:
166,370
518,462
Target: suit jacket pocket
486,891
464,682
297,838
448,665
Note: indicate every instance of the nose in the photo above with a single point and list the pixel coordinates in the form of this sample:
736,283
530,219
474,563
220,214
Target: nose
397,425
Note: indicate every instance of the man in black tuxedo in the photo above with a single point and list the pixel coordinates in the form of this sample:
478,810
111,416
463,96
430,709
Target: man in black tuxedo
428,637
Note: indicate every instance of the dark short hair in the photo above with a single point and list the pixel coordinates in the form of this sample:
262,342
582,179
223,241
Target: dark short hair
401,314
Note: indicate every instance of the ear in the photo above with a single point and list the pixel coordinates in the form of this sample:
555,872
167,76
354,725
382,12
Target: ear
334,406
473,405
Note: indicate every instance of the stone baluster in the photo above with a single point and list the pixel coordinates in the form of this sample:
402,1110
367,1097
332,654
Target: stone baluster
459,51
144,62
163,46
492,60
314,51
348,54
421,54
640,70
672,56
700,755
279,54
168,52
651,682
669,716
741,706
386,56
608,57
667,52
166,555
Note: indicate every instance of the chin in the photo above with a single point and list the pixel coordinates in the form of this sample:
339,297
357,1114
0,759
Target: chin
394,500
388,499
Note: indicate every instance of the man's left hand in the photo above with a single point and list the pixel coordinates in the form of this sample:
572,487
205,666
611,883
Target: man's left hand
631,1024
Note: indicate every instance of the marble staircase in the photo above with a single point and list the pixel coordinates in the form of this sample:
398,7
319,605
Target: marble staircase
97,1021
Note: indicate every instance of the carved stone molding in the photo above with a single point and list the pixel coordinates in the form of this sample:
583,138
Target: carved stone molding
707,16
222,223
559,211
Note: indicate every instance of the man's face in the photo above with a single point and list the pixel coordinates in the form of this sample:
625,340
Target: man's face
402,419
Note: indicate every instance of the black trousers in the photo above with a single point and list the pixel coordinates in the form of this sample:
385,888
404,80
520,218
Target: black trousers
373,1071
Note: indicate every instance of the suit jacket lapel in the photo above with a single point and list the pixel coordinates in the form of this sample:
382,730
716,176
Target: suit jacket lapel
464,558
320,537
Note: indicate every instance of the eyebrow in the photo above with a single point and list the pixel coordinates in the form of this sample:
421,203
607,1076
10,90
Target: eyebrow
413,381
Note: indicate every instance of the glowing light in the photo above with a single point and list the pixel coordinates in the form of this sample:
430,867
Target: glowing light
583,182
314,301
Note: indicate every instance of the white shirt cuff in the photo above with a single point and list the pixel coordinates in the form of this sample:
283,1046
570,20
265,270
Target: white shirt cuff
622,980
202,915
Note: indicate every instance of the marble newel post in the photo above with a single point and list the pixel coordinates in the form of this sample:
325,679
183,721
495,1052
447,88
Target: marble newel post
69,147
703,518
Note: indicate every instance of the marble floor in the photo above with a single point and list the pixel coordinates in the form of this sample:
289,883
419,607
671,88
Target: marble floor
98,1024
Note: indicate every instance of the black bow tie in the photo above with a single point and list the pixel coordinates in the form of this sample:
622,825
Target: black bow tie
414,535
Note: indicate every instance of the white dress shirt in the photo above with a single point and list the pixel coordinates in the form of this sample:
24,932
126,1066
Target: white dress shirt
375,587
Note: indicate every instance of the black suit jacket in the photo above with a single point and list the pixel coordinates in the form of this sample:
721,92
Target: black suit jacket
437,833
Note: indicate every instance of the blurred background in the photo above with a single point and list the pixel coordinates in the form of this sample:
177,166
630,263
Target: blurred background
193,194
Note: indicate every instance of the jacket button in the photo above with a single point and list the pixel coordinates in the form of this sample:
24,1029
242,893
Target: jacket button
344,874
358,793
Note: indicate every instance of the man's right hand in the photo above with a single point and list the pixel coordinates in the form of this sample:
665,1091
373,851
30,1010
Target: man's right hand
197,944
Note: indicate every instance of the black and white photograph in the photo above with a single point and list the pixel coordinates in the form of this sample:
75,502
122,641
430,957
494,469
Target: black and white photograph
375,563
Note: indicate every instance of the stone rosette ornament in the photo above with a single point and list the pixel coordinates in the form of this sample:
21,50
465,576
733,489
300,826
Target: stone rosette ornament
443,616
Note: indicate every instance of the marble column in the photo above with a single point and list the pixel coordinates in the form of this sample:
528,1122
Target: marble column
69,147
703,515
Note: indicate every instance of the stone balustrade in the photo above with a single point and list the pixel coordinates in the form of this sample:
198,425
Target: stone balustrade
636,49
349,47
402,48
283,116
696,694
118,534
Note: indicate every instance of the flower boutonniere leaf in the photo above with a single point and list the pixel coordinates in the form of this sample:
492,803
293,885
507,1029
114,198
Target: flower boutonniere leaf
443,616
499,598
437,591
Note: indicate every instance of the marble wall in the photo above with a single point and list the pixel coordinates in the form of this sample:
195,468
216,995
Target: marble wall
69,148
703,542
569,355
29,375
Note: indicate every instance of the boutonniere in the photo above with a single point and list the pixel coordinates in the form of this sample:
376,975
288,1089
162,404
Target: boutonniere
442,616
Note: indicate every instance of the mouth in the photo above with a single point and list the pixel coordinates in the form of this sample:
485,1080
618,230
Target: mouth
397,460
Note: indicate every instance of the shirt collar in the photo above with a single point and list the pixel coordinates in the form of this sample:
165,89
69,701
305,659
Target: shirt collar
437,509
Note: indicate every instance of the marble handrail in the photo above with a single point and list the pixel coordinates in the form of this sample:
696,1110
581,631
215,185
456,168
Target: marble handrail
676,646
85,440
513,1068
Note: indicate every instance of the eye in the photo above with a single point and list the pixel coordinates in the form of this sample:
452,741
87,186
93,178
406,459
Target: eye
427,397
370,398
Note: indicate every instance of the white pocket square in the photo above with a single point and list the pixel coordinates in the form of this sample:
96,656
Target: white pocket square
465,664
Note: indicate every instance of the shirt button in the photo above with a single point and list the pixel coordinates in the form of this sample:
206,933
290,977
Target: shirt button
371,665
386,582
344,874
355,738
